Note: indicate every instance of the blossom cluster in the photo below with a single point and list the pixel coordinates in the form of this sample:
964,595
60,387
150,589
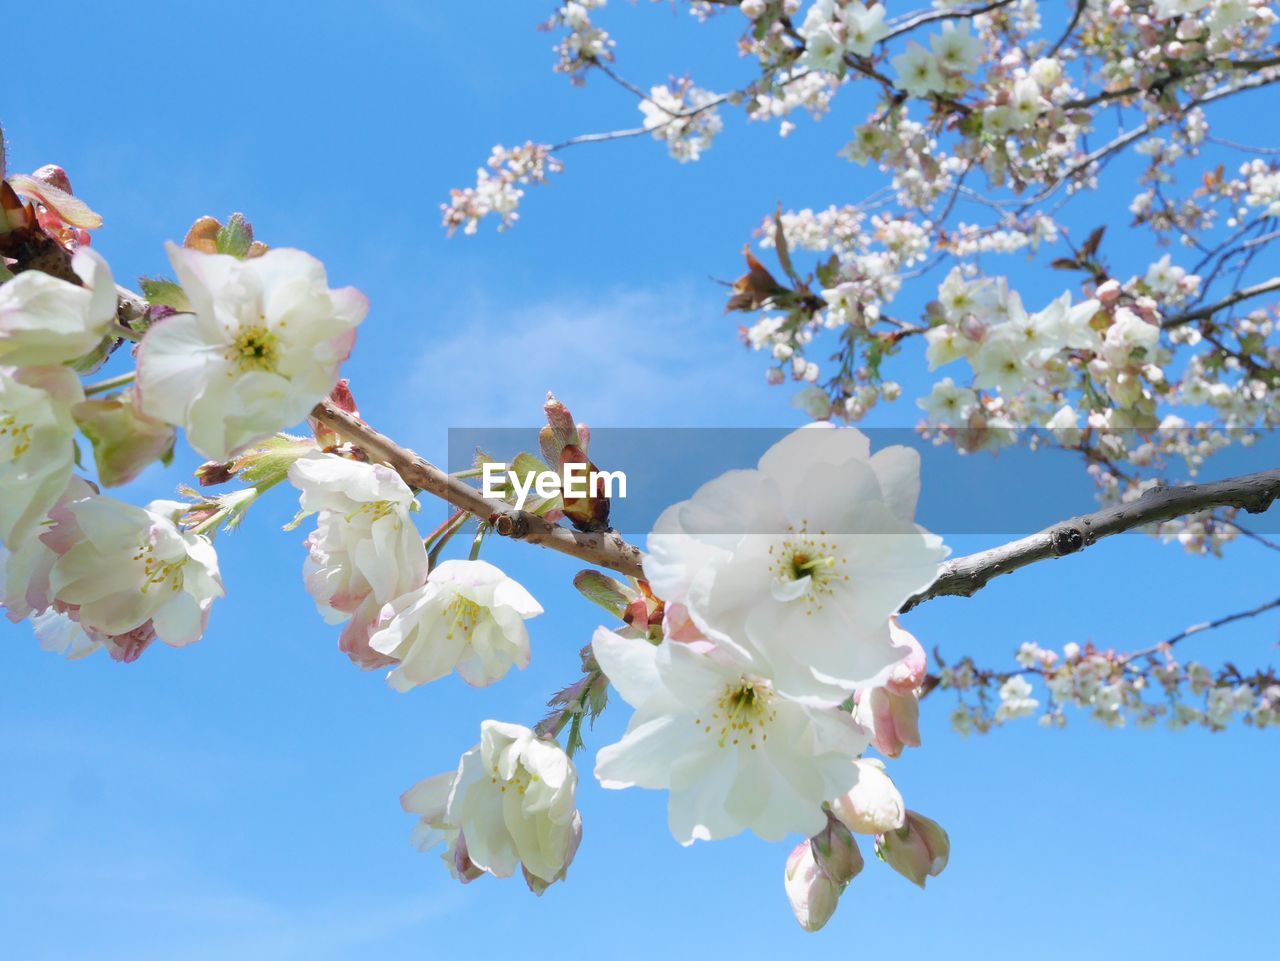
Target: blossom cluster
1112,688
770,660
497,190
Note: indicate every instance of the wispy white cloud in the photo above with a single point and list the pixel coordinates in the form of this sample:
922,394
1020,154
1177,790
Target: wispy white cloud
626,357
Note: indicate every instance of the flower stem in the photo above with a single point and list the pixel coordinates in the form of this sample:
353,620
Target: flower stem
111,383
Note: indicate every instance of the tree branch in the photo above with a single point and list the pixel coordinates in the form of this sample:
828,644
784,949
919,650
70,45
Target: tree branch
965,576
601,548
1202,313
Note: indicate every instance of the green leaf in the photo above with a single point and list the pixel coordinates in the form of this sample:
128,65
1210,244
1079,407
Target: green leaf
235,238
613,596
164,293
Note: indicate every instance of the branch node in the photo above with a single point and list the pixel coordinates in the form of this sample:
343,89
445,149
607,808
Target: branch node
1067,540
513,524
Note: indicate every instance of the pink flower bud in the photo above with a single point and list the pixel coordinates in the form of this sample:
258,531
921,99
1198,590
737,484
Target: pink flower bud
894,719
836,852
973,328
917,850
1109,292
812,893
909,673
873,805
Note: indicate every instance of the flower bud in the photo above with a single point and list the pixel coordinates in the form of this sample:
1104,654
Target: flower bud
873,805
894,719
812,893
751,9
917,850
124,439
909,673
836,852
1108,292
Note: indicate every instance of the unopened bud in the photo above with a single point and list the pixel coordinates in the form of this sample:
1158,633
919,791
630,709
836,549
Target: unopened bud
918,850
873,805
894,719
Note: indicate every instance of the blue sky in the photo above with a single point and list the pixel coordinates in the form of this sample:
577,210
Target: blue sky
238,799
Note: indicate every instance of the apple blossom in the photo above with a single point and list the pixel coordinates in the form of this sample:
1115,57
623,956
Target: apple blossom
799,564
37,449
510,804
735,753
468,616
48,320
260,348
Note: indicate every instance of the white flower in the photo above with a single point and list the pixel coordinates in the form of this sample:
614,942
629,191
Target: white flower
734,753
799,564
1168,9
1002,364
1068,326
468,616
37,447
364,543
957,50
262,347
1128,333
948,404
27,561
873,805
1015,699
510,803
1026,102
1046,72
864,26
46,320
129,568
822,51
918,72
1065,425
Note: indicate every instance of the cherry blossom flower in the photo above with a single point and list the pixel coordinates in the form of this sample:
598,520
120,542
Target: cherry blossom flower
37,448
918,72
47,320
122,569
799,564
511,803
956,48
365,543
261,347
734,753
468,616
